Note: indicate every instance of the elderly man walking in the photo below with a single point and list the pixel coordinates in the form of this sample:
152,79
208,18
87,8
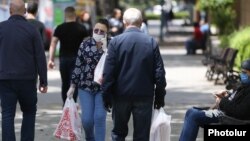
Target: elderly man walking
22,60
133,79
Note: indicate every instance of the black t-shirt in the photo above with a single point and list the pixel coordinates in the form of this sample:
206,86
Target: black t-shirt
70,35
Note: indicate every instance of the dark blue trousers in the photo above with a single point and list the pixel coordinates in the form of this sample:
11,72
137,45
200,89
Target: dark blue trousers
24,92
141,112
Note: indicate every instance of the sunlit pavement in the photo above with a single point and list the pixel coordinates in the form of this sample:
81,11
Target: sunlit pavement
187,87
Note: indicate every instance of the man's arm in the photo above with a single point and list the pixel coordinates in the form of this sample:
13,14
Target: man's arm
160,80
52,50
237,107
109,76
109,71
40,59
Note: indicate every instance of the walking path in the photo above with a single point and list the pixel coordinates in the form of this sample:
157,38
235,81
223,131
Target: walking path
187,86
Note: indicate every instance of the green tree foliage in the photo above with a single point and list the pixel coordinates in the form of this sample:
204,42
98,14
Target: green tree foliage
141,4
222,14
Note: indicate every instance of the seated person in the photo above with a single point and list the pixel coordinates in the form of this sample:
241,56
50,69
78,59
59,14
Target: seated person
235,105
204,26
195,40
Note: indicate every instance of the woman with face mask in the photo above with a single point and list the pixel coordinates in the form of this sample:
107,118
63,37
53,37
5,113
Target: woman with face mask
235,105
90,95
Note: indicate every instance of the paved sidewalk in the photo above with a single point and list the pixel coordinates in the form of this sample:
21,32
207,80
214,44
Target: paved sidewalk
187,86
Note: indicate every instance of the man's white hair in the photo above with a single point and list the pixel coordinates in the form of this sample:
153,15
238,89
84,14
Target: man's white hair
132,16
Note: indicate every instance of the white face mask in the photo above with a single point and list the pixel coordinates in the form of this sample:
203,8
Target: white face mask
98,37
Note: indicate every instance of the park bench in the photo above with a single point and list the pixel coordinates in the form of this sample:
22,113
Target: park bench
224,68
211,60
221,66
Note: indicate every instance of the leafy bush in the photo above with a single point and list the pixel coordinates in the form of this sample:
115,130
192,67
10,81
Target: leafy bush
177,15
181,15
151,16
224,40
240,40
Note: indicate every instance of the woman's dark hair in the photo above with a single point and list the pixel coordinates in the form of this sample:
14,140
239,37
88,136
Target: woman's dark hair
196,24
32,7
105,22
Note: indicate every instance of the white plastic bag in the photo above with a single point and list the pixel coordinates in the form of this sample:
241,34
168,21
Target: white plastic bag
161,126
99,69
69,127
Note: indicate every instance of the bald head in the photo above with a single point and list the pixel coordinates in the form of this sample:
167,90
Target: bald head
17,7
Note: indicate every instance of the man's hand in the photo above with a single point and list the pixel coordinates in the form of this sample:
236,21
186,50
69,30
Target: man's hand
43,89
71,91
51,64
220,94
107,102
159,102
216,104
108,106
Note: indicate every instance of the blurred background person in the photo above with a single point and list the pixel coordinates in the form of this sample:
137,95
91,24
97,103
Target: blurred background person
32,9
167,14
115,22
85,20
204,26
194,41
144,25
4,12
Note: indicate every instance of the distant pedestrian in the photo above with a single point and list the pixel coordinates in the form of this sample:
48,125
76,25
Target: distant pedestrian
133,79
115,22
90,93
85,20
167,14
144,24
22,60
32,10
4,12
70,34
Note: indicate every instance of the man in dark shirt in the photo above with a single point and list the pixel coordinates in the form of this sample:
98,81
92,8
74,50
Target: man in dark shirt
235,105
31,17
22,59
70,34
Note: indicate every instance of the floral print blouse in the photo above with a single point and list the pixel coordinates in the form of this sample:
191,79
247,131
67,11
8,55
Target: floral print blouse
87,58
